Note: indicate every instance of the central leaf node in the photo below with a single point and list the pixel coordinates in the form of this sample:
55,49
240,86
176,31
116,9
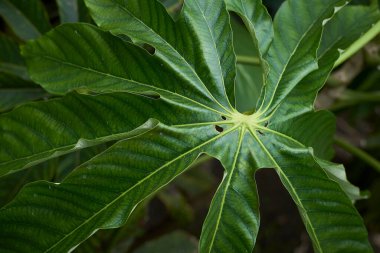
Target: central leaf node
248,121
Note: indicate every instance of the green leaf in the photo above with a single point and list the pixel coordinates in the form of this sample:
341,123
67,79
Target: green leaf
338,174
248,87
68,10
257,21
176,205
259,24
249,78
52,170
326,211
187,85
11,97
139,167
71,11
198,181
292,55
339,32
11,61
342,30
118,240
228,228
313,129
208,67
96,119
27,18
95,61
11,184
15,85
175,242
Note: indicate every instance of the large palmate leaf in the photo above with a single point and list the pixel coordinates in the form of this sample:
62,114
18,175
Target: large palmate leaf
164,90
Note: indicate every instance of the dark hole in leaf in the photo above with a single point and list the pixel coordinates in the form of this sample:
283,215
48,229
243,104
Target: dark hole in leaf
266,123
219,128
224,118
260,132
149,48
151,94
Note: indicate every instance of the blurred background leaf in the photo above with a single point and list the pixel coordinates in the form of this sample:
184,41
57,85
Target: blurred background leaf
175,242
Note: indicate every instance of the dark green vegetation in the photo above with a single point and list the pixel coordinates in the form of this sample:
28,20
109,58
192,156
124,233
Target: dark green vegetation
136,100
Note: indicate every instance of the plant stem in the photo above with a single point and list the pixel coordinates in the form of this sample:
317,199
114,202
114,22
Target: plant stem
364,156
360,43
248,60
353,98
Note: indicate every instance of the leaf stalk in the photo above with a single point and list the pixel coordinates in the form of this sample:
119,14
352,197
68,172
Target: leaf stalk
364,156
359,44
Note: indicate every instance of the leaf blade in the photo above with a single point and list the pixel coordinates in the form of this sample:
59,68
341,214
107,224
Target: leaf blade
9,98
331,220
341,31
292,55
46,119
84,58
114,199
213,28
228,228
257,21
148,22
